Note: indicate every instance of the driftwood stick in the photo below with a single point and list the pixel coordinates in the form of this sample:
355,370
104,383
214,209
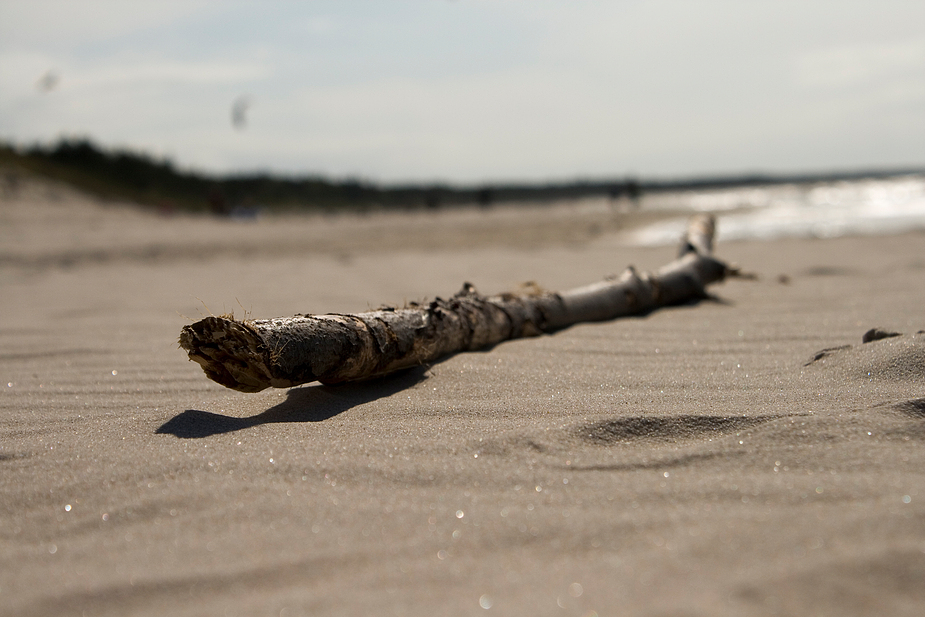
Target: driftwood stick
252,355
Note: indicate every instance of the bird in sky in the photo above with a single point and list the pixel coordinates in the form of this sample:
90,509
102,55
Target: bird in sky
239,112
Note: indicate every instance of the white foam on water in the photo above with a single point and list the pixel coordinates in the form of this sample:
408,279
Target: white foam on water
877,206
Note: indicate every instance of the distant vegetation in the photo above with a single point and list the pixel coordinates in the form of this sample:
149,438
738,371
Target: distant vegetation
126,175
122,174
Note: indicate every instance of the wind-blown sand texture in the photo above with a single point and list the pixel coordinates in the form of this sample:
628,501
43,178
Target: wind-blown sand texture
701,460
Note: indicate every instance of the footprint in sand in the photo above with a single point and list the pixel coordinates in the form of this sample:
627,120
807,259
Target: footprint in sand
914,408
882,355
672,428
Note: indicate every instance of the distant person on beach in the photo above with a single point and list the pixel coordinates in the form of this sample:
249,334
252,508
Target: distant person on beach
629,190
484,197
633,191
217,203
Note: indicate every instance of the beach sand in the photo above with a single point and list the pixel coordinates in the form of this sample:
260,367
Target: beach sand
702,460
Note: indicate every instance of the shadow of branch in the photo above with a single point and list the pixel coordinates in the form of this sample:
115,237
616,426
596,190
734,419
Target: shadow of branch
306,404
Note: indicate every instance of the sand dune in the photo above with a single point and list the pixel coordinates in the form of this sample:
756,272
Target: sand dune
701,460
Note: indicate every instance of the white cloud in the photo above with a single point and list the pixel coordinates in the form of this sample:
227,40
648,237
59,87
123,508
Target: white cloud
163,73
854,65
63,23
19,71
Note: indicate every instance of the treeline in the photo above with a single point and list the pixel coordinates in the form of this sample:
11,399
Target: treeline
122,174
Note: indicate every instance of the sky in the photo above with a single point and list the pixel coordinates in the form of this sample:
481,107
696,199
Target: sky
470,91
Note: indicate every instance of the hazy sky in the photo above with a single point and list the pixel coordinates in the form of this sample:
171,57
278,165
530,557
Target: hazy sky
469,91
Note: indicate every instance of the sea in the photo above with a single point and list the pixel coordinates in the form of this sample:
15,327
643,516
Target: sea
798,210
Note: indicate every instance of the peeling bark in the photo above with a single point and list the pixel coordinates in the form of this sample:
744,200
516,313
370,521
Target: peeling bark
252,355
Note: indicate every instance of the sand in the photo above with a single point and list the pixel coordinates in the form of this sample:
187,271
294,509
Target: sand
702,460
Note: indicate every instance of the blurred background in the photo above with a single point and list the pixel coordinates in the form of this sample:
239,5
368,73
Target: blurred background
474,91
472,94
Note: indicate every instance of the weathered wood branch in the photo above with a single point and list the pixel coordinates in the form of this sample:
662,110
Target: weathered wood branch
252,355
